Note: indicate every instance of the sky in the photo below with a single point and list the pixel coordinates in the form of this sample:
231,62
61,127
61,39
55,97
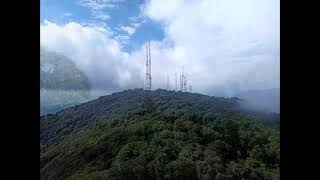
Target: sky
225,46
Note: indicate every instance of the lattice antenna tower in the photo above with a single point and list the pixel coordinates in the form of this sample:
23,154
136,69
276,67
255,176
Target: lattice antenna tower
150,78
176,85
148,67
168,82
180,82
182,79
186,83
190,87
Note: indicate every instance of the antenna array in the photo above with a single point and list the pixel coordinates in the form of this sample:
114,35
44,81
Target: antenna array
184,87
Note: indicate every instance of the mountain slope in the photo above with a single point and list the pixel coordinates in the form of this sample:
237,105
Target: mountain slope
160,134
62,84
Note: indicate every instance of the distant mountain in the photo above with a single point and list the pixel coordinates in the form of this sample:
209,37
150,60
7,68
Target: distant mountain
138,134
62,84
267,100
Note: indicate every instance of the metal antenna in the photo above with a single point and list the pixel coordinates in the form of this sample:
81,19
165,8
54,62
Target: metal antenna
148,67
150,82
168,82
182,79
181,82
186,83
175,74
190,87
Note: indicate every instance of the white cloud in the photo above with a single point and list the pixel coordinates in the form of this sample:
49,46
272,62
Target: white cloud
99,55
128,29
122,39
223,45
98,8
134,24
101,16
136,21
99,4
67,14
93,51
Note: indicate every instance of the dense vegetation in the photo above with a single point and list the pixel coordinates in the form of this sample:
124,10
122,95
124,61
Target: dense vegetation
62,84
160,134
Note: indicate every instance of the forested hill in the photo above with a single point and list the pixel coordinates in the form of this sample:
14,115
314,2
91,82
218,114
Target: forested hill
136,134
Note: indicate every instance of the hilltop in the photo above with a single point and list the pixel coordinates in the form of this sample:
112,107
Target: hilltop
137,134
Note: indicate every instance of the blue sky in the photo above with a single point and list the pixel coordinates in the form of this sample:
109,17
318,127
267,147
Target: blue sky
225,45
119,14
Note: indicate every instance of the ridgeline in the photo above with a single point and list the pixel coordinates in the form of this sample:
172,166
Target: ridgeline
137,134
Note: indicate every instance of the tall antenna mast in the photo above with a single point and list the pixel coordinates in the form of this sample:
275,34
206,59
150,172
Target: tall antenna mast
168,82
148,67
176,88
190,87
186,83
182,80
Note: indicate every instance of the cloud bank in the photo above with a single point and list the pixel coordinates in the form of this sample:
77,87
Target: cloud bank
225,46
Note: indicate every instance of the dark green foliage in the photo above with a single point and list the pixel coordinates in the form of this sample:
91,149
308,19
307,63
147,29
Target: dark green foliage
159,134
